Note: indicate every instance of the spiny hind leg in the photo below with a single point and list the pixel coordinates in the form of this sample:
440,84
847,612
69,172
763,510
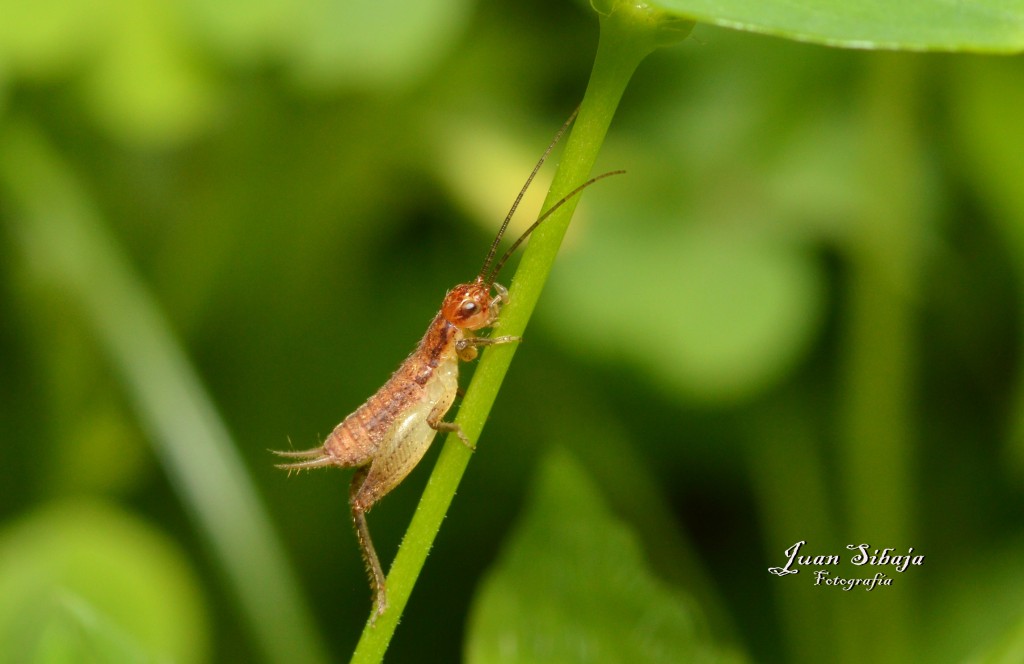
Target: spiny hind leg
373,568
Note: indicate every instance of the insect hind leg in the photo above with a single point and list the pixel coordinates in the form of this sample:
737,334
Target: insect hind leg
357,500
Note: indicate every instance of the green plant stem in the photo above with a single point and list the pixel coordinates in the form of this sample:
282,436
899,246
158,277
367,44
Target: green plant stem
628,34
65,243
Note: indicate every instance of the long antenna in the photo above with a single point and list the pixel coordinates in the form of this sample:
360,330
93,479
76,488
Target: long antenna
522,192
548,213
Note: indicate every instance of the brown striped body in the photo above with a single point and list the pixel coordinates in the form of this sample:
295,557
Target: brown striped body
388,435
392,431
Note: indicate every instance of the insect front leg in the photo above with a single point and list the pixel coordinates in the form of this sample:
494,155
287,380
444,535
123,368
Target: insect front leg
497,301
467,346
488,341
361,502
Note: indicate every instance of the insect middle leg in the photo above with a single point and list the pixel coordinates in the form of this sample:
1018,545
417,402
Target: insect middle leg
373,568
452,427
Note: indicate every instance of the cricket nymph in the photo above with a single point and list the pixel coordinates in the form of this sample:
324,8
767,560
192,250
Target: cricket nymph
393,429
387,436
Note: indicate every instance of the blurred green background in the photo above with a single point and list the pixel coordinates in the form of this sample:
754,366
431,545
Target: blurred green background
222,225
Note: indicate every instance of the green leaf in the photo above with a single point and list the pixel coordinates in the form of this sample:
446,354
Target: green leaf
375,43
141,73
147,84
41,38
86,579
918,25
245,30
703,310
572,585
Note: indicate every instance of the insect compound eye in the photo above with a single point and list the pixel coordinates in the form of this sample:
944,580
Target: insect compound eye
468,308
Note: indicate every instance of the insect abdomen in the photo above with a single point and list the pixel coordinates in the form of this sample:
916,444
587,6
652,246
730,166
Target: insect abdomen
410,434
360,436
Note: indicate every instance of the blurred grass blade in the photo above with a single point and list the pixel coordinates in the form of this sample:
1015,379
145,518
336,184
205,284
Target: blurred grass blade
66,243
1008,650
991,26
